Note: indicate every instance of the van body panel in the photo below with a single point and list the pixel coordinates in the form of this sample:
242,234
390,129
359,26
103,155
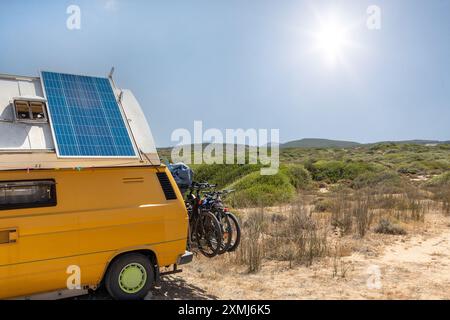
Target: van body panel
100,213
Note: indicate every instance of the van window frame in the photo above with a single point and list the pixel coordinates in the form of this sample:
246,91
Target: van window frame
24,183
29,106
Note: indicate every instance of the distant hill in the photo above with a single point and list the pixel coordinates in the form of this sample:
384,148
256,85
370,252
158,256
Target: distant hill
319,143
423,142
327,143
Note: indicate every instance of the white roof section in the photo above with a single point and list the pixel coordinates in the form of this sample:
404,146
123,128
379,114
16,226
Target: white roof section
15,136
138,123
31,145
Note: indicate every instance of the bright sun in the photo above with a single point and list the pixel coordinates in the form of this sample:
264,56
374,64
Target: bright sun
331,40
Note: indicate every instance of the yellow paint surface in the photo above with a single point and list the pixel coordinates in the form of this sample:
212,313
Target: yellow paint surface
100,213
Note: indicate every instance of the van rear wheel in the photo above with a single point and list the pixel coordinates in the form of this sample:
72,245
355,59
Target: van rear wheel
130,277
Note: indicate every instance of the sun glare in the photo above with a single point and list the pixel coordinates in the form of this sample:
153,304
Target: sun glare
332,40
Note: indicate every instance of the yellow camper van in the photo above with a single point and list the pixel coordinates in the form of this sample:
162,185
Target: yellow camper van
84,199
115,226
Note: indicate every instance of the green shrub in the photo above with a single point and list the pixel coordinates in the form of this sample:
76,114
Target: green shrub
442,180
222,174
257,190
332,171
299,177
416,167
374,179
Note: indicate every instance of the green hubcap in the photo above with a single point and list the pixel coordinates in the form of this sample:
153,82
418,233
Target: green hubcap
132,278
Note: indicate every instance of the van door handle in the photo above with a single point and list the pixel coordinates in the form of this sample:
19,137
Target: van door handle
13,236
9,236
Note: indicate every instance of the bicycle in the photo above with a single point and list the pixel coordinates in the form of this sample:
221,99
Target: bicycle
231,229
204,228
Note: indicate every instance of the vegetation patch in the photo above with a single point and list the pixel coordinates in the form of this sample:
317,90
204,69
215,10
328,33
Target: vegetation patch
387,227
322,205
299,177
372,179
222,174
257,190
334,170
442,180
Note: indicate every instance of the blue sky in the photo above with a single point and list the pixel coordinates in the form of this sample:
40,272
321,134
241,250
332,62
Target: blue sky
251,64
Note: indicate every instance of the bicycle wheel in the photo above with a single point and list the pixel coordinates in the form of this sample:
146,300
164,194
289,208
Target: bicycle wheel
235,237
208,234
227,231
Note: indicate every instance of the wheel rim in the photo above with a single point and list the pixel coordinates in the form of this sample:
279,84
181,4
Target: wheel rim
209,237
132,278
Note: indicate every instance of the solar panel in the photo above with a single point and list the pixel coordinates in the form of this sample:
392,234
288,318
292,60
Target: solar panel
85,117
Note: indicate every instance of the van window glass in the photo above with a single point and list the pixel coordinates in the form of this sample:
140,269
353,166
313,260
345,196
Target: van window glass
27,194
22,110
30,111
37,110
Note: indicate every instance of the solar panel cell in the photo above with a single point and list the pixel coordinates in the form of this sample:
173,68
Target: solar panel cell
85,117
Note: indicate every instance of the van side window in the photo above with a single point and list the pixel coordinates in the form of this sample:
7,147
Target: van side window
27,194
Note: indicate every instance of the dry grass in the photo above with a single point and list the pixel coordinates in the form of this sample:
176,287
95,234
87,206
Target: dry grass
362,213
295,237
411,268
251,249
442,195
306,230
341,217
340,266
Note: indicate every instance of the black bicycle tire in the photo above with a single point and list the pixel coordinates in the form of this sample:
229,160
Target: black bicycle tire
225,245
217,231
236,243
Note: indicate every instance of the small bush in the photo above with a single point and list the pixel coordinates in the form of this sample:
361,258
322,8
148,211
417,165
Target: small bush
299,177
440,181
412,168
322,204
334,171
387,179
386,227
257,190
222,174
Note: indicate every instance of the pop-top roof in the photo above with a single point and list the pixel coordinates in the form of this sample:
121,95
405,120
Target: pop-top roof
68,121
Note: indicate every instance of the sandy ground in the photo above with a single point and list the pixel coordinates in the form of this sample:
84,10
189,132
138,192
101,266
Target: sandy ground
415,266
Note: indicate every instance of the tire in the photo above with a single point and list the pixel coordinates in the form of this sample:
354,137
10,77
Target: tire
227,232
208,234
236,233
130,277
